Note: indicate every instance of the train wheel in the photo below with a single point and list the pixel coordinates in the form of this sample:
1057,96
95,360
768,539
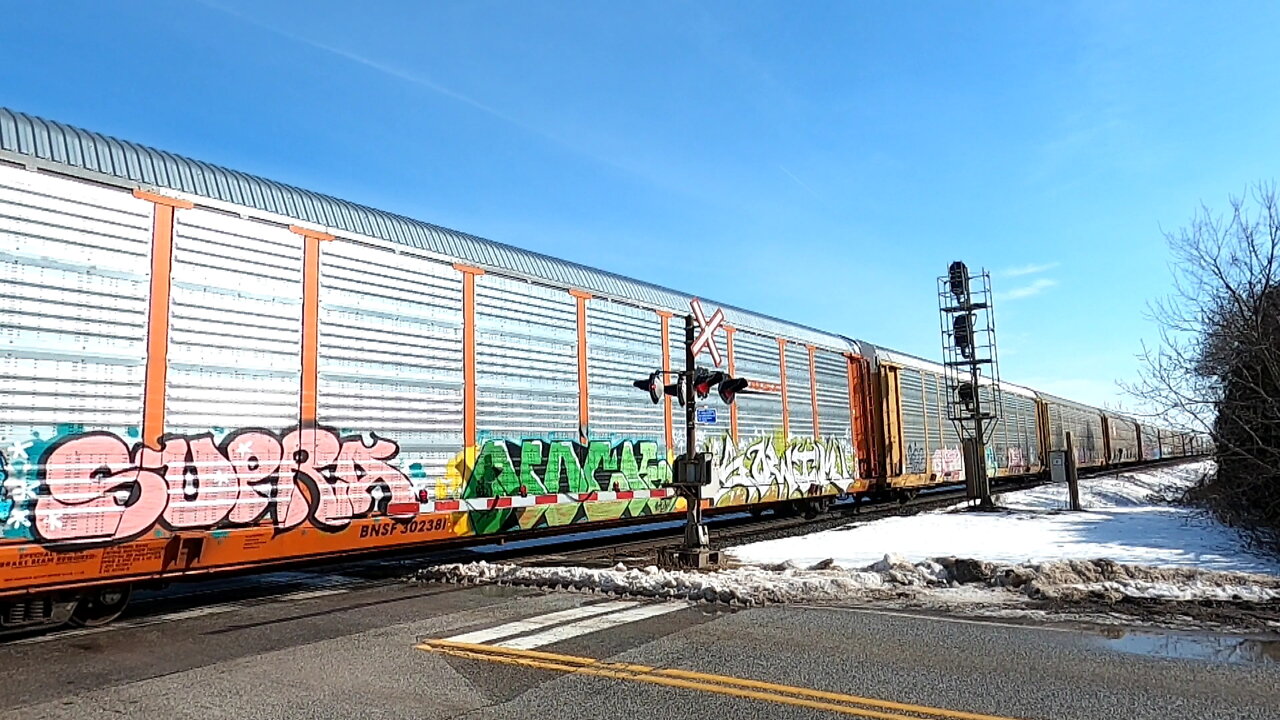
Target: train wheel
101,605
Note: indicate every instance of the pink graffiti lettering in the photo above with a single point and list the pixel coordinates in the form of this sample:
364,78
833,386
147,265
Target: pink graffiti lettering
95,488
95,491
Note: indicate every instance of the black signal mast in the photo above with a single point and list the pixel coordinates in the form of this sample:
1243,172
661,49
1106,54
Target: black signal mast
692,468
967,315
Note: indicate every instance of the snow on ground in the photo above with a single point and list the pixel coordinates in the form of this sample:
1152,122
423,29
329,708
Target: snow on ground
1132,542
1128,518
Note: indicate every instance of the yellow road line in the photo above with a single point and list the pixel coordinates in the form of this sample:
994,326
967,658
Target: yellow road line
705,682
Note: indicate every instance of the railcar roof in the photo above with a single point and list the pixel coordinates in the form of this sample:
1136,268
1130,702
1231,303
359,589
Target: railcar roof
58,146
919,363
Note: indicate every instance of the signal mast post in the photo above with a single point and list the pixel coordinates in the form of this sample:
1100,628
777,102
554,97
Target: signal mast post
696,542
968,343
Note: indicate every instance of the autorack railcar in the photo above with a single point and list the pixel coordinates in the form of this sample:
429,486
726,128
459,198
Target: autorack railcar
207,371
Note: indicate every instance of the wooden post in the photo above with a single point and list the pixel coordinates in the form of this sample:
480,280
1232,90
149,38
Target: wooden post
1073,480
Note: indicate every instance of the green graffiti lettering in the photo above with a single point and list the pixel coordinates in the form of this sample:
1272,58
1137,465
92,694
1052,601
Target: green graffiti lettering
530,459
563,466
599,457
563,472
494,473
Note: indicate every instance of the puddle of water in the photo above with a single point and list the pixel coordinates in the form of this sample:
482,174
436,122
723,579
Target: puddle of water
1215,648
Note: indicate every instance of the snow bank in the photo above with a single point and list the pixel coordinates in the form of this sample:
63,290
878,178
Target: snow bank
1128,518
891,577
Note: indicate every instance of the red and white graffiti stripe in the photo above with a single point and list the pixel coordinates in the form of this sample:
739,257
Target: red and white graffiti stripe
517,501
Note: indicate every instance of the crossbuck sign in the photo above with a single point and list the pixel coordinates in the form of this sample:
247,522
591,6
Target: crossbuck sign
707,337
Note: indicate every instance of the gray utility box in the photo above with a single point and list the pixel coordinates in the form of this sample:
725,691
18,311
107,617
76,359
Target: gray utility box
1058,465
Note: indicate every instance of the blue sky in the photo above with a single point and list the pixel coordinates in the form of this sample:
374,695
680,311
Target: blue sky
826,160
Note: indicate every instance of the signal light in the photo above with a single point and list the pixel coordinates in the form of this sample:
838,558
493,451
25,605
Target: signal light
703,381
652,385
964,391
962,328
730,387
958,280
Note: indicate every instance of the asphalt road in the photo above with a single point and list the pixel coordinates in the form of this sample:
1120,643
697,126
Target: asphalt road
331,650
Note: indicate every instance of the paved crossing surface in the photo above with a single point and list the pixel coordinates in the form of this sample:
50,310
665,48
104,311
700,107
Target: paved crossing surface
331,649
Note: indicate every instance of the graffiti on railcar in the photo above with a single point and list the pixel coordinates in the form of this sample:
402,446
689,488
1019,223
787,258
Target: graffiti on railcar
97,487
770,468
532,466
19,483
1017,460
915,464
949,463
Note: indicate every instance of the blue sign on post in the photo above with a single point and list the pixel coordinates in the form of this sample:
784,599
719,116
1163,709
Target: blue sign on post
707,415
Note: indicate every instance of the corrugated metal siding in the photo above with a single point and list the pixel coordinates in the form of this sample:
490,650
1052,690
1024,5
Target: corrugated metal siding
526,360
1011,442
24,135
624,344
919,431
235,324
832,372
1124,440
756,358
799,401
74,262
391,352
936,395
1085,426
1150,443
1019,426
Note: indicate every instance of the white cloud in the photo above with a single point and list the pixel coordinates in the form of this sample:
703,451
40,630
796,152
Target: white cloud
1035,288
1029,269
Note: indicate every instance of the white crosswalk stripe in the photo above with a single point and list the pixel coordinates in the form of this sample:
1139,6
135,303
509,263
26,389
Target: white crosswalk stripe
520,627
564,624
590,625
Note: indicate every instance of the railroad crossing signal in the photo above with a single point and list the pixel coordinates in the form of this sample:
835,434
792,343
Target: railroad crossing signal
707,337
692,468
703,380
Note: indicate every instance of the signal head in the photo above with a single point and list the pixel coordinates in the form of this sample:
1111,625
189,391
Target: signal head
730,387
704,380
962,330
958,280
652,385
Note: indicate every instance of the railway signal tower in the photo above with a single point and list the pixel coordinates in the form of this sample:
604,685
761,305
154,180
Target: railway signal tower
968,326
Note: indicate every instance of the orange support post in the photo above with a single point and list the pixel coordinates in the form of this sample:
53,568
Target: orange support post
468,357
813,391
665,317
733,409
157,369
782,374
583,411
311,240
